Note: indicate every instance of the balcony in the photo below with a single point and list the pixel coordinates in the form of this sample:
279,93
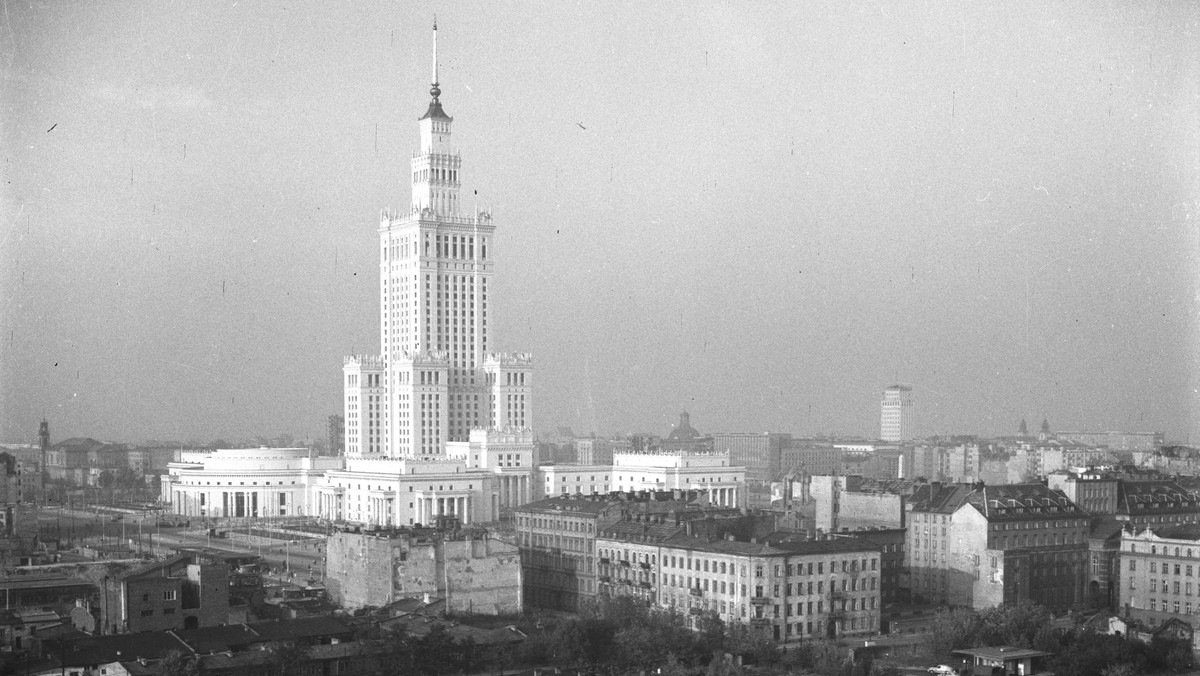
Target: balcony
644,565
604,560
625,563
695,611
695,591
645,585
760,600
760,620
604,579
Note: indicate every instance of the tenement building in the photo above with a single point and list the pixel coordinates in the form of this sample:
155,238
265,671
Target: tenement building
980,546
1137,500
786,589
437,424
1159,576
557,537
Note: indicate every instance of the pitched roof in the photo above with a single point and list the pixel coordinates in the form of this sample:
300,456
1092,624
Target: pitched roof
1155,496
216,639
307,627
116,647
1009,502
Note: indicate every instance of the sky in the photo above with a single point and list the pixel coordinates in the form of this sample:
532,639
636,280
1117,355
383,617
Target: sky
760,213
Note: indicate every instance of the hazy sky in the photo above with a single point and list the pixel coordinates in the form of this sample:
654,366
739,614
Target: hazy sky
762,213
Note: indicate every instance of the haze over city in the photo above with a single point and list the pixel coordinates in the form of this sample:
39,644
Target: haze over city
759,215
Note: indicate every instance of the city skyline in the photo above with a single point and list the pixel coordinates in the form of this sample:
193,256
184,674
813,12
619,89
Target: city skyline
762,217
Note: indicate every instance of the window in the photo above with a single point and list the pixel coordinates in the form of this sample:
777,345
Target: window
169,595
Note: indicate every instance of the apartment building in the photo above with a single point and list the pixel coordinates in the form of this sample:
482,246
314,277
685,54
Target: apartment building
787,588
979,546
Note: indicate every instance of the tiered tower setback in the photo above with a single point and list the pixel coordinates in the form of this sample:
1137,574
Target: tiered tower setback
435,380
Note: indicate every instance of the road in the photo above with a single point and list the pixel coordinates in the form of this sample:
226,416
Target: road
303,556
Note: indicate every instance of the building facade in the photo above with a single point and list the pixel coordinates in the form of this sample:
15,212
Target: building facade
238,483
851,503
437,377
979,546
470,570
1159,577
557,536
439,424
759,452
186,591
668,470
896,420
787,590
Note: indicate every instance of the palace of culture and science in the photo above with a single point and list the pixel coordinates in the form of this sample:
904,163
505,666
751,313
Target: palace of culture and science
436,425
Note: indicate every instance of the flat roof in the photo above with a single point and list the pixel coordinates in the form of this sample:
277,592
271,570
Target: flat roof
44,583
1002,652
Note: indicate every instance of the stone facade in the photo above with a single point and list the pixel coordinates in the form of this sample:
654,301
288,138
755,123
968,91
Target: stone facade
473,572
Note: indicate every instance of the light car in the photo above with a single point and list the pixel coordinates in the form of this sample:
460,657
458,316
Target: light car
942,670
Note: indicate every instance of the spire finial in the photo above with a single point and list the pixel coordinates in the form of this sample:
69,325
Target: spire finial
435,106
435,90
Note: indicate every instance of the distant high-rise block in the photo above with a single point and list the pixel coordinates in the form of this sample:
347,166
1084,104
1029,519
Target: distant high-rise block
337,434
896,414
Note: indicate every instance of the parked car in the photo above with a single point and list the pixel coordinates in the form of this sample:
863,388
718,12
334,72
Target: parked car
942,670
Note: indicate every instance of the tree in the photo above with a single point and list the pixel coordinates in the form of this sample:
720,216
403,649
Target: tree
287,658
106,479
177,663
434,653
1122,669
952,629
752,644
710,633
1088,653
1012,625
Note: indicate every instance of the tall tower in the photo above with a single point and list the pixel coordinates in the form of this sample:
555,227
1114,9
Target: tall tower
896,414
435,380
44,445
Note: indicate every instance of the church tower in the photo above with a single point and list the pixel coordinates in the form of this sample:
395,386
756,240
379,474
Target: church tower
435,380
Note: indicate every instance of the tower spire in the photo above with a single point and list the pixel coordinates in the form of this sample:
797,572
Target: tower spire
435,105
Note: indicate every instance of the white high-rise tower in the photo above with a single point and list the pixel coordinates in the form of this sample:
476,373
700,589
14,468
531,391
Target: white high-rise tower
435,380
896,414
